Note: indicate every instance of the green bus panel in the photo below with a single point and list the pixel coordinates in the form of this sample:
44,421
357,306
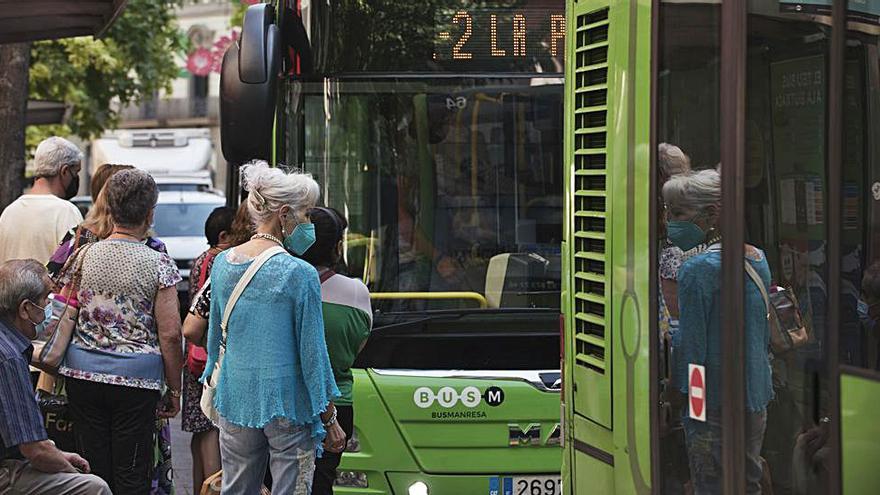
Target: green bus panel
860,435
607,118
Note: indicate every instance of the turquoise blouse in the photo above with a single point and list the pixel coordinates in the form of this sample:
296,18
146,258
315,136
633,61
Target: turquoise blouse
699,301
276,362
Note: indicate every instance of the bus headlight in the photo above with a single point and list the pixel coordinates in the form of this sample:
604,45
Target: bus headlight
418,488
353,445
351,479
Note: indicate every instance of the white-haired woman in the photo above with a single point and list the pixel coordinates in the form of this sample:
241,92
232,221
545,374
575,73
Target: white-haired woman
275,387
693,203
671,161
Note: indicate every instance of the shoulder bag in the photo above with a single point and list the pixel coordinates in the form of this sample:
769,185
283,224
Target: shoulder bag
787,328
209,390
62,325
196,356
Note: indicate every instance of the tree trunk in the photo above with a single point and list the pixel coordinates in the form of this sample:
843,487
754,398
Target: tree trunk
14,59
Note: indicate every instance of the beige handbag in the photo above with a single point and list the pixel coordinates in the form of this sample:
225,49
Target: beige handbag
49,355
787,327
213,484
209,389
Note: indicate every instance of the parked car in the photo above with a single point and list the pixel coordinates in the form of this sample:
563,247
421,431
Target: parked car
179,221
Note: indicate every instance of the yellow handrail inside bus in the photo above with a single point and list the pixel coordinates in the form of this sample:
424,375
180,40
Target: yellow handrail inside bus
471,296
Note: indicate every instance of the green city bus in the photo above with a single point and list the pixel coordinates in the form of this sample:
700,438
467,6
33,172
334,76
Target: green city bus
436,128
783,98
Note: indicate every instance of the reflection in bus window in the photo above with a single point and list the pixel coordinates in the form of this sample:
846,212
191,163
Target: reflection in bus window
688,133
450,187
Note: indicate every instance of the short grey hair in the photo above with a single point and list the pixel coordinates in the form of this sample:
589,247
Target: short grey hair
54,153
272,188
693,192
21,280
672,160
131,194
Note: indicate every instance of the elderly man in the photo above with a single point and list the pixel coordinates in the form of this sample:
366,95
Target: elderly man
29,462
34,224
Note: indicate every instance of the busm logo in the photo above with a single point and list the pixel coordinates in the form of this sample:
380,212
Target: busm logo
448,397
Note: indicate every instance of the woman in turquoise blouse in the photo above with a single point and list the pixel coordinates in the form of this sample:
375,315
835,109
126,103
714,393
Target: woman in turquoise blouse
276,385
693,208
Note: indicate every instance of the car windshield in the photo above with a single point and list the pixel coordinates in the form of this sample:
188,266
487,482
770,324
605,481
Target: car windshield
451,187
182,219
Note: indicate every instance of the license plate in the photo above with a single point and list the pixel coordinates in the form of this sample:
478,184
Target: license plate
526,485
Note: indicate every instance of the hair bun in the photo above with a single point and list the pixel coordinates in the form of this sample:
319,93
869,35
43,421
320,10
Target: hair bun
253,176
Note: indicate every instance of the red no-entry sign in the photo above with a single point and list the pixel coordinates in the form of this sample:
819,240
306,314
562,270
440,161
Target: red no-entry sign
697,392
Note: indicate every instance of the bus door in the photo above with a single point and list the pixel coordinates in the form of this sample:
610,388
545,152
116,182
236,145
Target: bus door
809,226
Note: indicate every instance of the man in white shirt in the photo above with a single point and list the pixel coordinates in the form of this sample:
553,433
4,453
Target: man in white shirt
33,225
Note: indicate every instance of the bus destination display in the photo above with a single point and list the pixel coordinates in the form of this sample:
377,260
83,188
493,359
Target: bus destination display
492,39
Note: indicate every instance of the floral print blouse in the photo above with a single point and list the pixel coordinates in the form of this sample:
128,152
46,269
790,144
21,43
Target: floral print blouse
116,339
80,236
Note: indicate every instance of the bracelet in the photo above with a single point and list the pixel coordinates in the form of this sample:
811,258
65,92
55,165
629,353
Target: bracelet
174,393
332,421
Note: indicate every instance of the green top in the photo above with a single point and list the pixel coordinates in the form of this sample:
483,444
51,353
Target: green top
347,324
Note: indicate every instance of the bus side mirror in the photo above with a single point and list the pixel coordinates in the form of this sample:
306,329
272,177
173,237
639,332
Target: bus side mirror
248,87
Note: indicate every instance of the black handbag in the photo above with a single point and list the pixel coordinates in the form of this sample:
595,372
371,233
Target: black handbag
57,417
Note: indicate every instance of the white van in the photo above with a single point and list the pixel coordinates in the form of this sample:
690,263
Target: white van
178,159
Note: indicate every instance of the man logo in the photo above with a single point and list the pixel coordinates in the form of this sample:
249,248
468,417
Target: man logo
447,397
517,436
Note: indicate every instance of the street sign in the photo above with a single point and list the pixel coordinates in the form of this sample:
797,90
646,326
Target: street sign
697,392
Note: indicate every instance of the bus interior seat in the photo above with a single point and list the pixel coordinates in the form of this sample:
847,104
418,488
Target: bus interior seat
523,280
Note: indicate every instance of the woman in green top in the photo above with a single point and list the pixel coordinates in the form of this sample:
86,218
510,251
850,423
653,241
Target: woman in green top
348,319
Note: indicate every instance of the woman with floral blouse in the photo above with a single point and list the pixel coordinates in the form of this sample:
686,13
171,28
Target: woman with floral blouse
127,344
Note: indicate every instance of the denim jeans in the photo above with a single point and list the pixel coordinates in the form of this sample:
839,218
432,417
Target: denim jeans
704,452
244,451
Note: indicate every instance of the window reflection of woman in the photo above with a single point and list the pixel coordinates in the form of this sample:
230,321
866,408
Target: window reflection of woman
671,161
869,313
693,203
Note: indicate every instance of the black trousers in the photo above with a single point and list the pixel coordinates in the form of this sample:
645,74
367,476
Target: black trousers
325,467
113,427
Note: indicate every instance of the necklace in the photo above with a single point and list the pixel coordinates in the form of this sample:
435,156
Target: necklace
268,237
127,235
701,248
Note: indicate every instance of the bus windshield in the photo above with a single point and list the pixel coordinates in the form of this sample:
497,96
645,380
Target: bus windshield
452,187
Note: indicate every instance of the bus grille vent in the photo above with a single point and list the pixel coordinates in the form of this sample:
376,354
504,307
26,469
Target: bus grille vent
590,191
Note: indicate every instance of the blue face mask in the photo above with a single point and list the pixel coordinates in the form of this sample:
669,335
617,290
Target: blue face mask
685,234
301,239
41,328
864,312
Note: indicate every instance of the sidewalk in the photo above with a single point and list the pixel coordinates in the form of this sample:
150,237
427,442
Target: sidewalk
181,459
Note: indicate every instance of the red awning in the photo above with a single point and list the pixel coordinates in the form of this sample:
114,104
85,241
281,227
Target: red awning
31,20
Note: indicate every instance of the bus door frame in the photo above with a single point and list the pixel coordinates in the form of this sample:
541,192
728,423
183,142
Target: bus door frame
734,31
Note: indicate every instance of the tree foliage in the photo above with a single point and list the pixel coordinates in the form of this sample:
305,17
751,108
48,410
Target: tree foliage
97,77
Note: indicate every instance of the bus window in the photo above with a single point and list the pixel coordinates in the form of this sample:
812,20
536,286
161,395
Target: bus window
687,266
786,187
859,229
453,189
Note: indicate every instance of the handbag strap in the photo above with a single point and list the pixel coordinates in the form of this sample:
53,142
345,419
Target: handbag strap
203,274
760,283
244,281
